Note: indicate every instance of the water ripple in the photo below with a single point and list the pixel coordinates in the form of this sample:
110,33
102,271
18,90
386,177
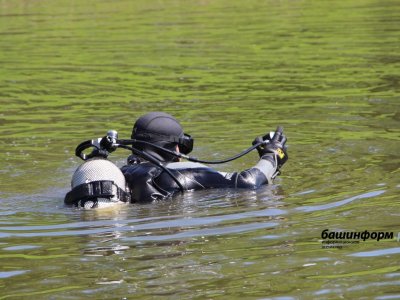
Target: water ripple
7,274
339,203
84,228
381,252
204,232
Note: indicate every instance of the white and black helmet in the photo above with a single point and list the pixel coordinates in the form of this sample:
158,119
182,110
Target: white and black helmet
97,183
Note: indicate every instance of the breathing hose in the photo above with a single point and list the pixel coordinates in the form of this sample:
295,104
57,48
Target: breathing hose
109,143
276,137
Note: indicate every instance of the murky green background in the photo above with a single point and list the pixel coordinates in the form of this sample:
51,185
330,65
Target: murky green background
328,71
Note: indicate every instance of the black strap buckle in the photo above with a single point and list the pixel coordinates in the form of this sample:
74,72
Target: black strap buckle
96,189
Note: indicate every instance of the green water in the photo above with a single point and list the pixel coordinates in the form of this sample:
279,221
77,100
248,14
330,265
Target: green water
328,71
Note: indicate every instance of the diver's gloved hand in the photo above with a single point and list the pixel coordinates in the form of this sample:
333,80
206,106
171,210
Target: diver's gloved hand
273,148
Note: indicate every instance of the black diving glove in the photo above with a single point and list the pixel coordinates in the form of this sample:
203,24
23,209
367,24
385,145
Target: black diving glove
273,147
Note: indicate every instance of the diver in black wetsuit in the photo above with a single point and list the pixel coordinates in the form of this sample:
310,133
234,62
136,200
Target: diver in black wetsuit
148,182
154,170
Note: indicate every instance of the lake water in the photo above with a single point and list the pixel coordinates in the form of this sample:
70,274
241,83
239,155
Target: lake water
327,71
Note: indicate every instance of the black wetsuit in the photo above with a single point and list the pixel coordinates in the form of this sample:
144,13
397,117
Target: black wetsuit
148,182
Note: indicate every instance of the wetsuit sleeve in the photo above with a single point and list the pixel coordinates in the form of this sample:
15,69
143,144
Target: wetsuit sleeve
195,176
262,173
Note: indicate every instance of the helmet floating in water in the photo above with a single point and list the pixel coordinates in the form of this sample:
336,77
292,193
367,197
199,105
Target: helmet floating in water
97,183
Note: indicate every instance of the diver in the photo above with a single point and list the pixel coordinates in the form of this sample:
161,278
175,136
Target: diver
148,182
154,170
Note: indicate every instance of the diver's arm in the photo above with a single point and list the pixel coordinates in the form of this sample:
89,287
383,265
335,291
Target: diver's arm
262,173
272,153
196,176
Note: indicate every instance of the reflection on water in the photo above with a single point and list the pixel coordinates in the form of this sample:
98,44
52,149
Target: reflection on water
149,246
230,71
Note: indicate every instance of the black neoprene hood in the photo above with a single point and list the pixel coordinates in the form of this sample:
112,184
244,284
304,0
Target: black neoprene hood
158,123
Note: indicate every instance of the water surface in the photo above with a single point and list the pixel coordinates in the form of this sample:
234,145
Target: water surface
229,70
